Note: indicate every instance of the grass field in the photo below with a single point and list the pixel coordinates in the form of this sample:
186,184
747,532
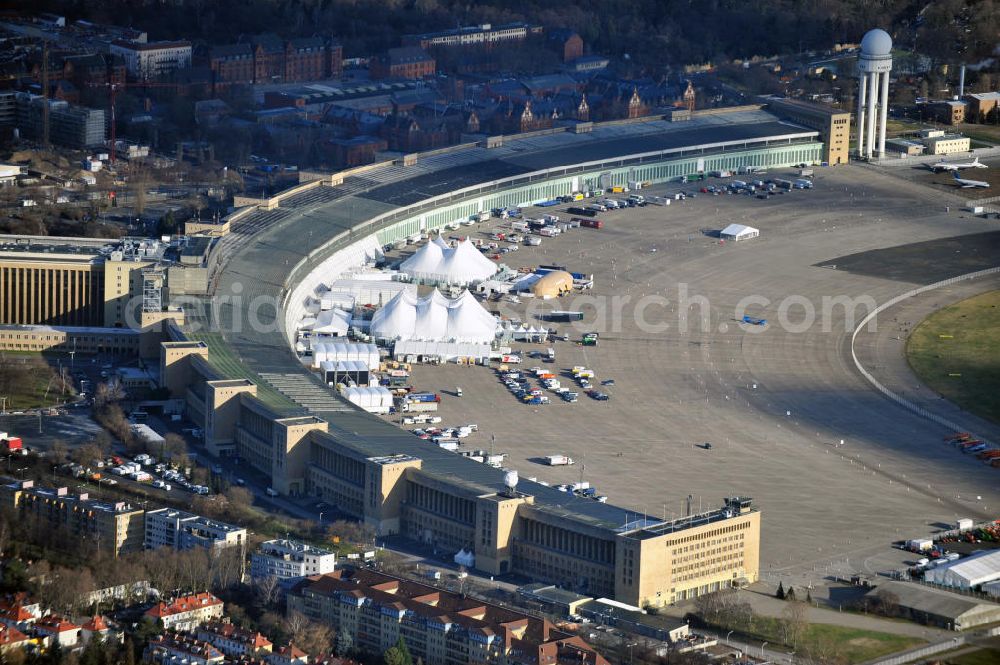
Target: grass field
28,381
854,645
956,351
983,657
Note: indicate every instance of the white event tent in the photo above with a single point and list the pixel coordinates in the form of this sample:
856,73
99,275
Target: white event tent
737,232
437,262
334,322
434,318
342,351
373,399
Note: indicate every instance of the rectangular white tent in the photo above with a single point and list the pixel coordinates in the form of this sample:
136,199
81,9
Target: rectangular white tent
367,291
446,351
967,573
737,232
374,399
341,351
332,322
345,370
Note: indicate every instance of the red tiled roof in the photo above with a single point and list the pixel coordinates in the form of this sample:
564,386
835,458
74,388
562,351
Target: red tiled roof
292,651
55,624
10,635
96,624
183,605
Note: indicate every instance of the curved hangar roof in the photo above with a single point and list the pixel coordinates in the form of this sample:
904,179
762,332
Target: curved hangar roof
294,231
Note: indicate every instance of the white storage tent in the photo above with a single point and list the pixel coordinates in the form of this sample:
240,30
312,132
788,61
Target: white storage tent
373,399
345,371
446,351
436,262
342,351
967,573
434,318
366,291
331,300
304,297
737,232
334,322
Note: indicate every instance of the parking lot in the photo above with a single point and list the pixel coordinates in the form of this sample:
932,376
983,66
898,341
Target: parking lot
775,401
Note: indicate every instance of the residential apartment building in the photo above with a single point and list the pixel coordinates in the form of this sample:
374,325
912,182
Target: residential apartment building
96,70
12,639
55,629
233,640
187,612
289,559
408,62
114,528
231,64
438,627
181,649
152,60
480,35
176,529
833,125
71,126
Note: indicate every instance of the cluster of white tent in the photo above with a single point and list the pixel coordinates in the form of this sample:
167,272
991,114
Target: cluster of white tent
443,351
434,318
526,333
438,262
343,351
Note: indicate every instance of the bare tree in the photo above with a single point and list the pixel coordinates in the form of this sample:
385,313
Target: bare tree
57,452
795,620
266,590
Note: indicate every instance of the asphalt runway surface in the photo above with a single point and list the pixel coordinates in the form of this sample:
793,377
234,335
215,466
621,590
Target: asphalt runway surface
774,401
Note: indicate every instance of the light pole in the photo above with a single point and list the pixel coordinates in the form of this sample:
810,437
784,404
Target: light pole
321,518
762,650
727,636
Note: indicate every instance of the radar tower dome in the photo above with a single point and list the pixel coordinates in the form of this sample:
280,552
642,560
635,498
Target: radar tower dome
874,65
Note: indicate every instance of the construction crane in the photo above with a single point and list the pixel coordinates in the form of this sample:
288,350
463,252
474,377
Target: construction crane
113,90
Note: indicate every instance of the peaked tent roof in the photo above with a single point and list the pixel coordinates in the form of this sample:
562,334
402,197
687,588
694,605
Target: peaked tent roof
435,261
435,318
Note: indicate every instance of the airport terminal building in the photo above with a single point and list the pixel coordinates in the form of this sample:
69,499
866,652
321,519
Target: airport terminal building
254,399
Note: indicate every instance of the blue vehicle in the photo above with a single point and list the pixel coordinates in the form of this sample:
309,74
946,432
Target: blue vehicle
754,321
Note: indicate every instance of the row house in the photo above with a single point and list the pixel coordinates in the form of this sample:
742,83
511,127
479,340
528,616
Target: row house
407,62
267,58
186,612
438,627
55,629
181,649
233,640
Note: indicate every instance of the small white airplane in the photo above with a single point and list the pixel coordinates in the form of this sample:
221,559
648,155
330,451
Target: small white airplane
957,166
970,183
